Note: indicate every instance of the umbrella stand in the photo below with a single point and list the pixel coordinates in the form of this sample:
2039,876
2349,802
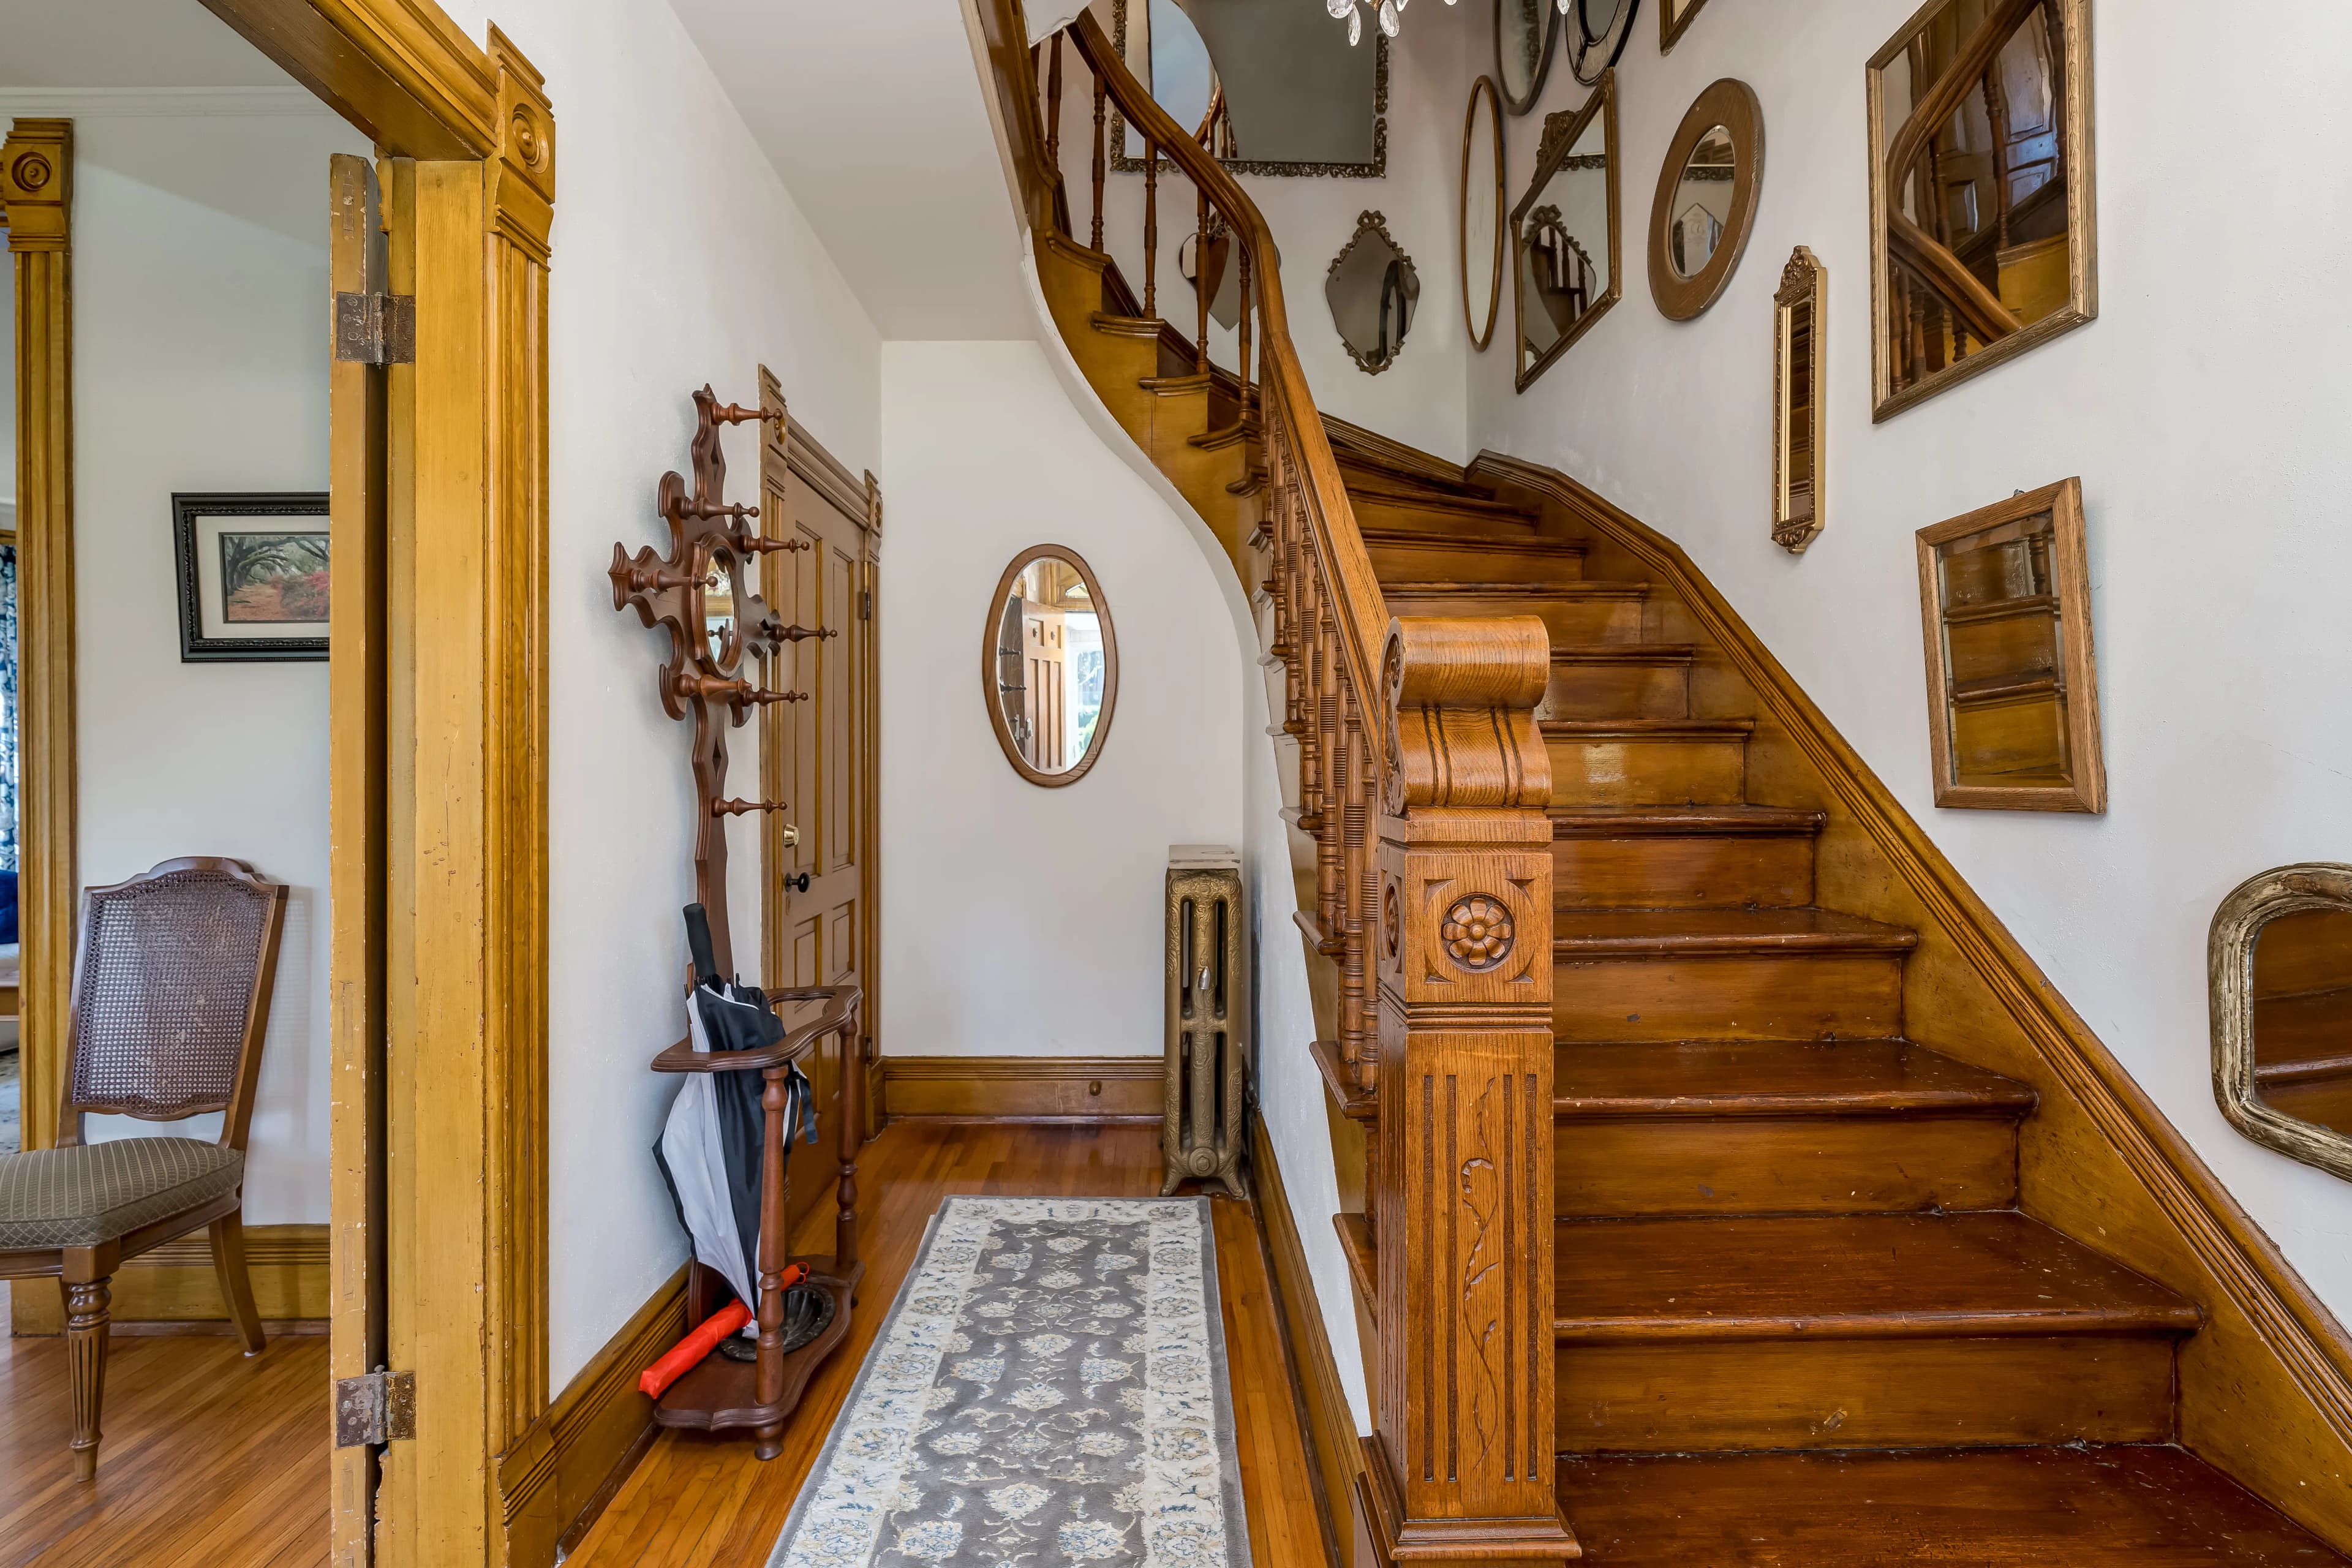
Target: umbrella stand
721,1395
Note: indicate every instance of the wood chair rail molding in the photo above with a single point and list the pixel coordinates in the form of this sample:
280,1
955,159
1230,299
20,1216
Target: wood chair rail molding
2265,1387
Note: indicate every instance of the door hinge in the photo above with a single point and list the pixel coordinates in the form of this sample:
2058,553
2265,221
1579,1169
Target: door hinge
865,605
375,329
378,1408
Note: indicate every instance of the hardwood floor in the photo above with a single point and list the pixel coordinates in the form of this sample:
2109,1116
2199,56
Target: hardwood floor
700,1502
210,1460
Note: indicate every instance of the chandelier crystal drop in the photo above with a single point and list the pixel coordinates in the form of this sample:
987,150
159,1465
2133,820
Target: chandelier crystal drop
1390,13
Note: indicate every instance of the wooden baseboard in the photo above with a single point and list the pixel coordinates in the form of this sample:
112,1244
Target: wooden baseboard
2265,1387
558,1479
1023,1088
1332,1442
174,1286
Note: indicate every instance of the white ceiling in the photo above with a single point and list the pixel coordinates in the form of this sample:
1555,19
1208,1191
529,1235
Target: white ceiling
125,44
871,111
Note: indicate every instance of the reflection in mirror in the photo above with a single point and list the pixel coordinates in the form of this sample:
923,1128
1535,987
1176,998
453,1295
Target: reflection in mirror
1271,89
1673,17
1801,311
2279,966
1523,30
1052,666
1372,290
2014,708
1564,238
1982,204
1702,204
2302,996
720,631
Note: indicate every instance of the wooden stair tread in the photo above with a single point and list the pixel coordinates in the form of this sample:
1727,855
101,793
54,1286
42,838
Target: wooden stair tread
1679,821
1623,653
1718,1078
1642,729
1439,587
2076,1506
1127,326
1397,496
1474,543
1632,933
1960,1275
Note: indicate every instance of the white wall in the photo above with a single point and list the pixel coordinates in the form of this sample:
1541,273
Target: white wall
1020,921
2203,413
679,258
1418,398
200,363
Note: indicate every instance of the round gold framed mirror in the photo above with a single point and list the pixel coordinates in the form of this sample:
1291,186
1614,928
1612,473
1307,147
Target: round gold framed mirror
1482,212
1705,203
1049,666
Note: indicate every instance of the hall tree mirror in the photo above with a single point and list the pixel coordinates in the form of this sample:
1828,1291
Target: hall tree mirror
1270,88
2280,975
1373,290
1049,666
2012,683
1982,241
1565,244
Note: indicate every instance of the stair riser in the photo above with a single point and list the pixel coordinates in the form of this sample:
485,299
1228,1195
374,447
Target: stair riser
1667,997
1615,691
1397,561
1701,771
1608,620
1703,872
1612,1169
1710,1396
1376,512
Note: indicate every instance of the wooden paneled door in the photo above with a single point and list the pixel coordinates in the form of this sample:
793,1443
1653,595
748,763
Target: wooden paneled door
817,755
1046,704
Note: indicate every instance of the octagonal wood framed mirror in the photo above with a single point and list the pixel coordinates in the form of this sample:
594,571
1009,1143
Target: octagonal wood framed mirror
1049,666
1567,241
2280,975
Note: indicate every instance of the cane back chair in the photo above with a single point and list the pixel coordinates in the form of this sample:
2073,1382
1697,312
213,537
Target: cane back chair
172,974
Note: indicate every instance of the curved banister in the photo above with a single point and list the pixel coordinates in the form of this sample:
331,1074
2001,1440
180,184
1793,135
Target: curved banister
1357,603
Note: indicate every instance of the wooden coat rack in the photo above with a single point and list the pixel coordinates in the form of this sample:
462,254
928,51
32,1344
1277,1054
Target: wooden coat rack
705,679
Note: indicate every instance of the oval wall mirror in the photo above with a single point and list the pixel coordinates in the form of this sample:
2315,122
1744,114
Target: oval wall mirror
1049,666
2280,963
1523,30
1372,290
1706,203
1482,212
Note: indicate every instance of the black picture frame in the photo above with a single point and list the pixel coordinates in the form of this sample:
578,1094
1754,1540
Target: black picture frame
188,512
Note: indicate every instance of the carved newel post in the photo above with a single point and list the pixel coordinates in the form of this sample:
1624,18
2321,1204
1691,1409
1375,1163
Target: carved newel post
1459,1467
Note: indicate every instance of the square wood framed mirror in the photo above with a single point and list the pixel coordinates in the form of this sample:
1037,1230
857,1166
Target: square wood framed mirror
2012,682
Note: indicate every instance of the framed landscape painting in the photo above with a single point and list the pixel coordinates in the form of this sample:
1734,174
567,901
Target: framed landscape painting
254,576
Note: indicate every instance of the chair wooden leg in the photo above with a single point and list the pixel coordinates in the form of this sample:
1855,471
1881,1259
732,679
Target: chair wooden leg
236,1283
87,1303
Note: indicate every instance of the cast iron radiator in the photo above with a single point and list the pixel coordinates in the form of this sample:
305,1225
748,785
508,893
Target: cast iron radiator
1208,1061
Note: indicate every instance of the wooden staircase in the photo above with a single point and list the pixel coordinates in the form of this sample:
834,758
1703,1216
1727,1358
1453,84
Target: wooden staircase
1799,1315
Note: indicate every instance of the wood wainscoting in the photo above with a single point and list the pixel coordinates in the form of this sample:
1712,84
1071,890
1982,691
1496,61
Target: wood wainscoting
173,1289
1022,1089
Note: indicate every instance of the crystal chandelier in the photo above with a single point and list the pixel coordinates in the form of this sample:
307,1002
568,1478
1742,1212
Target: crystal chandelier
1388,11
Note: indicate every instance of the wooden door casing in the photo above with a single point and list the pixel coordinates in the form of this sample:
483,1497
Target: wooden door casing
817,754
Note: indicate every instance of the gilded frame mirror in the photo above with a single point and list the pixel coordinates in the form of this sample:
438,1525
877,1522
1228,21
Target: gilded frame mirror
2279,972
1801,318
1675,18
1482,205
2012,682
1049,703
1373,291
1515,22
1552,249
1706,203
1595,34
1983,230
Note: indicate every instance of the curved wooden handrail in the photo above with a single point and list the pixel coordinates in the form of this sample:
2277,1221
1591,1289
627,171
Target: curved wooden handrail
1357,607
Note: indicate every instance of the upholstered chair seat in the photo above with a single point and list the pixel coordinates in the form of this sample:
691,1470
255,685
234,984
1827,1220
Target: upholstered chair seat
98,1192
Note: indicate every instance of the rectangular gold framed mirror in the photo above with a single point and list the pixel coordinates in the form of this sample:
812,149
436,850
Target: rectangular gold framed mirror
1982,236
1567,251
1800,326
2012,682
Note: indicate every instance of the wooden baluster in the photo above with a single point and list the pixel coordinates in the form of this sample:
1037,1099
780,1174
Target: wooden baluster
1053,110
1329,858
1360,895
1150,229
1100,166
1242,357
1201,281
768,1368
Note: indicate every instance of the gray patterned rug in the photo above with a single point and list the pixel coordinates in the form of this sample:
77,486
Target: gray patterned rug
11,1126
1049,1388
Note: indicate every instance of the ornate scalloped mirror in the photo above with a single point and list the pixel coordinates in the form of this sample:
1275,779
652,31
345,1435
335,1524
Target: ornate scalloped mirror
1049,666
1372,290
2280,968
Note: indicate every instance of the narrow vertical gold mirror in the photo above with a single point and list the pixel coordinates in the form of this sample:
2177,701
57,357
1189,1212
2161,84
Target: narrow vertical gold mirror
2012,684
1482,213
1566,266
1799,319
2281,977
1050,666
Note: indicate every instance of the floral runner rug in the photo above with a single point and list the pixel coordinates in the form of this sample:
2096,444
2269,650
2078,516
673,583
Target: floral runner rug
1049,1388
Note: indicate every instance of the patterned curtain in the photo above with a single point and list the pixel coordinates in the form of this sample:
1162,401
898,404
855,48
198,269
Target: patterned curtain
7,707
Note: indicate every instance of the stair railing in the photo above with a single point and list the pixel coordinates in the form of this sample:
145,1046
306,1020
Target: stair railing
1424,782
